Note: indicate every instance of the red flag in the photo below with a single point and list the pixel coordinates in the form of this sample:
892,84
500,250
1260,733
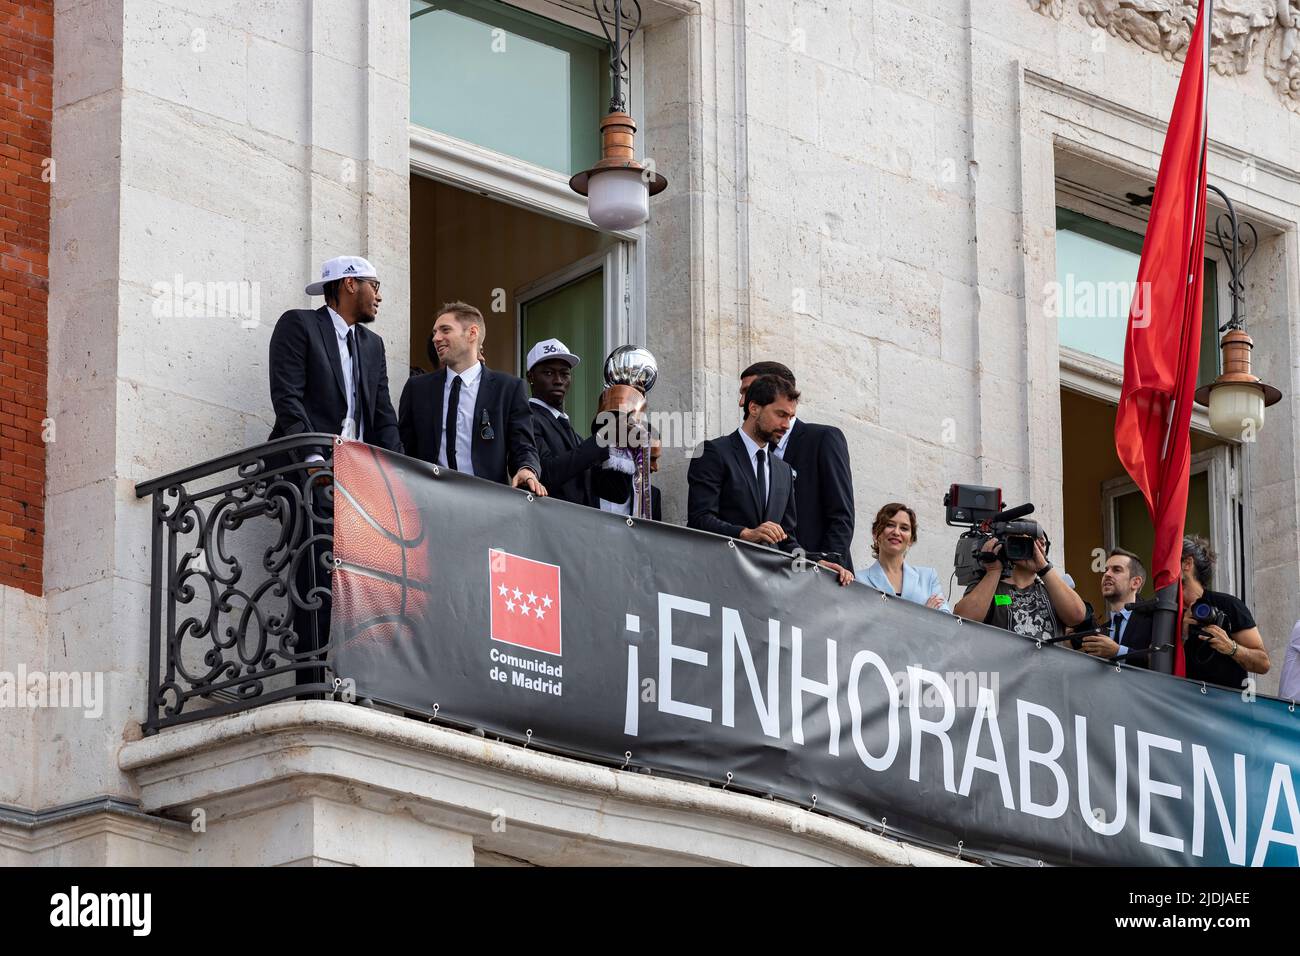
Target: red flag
525,601
1162,349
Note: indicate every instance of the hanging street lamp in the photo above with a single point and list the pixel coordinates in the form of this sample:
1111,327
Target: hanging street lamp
1237,398
618,188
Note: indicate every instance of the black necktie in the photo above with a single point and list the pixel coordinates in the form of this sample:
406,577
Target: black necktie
1116,622
449,428
356,380
570,436
762,484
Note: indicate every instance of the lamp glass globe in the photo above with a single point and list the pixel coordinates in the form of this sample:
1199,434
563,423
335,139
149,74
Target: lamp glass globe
1236,411
618,199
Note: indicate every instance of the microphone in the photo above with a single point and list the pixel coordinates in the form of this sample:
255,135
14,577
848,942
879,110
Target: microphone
1011,514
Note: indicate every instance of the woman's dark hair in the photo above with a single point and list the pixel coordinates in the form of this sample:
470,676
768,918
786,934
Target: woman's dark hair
1198,549
882,519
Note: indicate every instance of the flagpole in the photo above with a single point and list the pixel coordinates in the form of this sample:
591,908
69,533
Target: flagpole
1169,599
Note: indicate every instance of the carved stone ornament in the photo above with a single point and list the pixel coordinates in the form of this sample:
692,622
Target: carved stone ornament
1242,32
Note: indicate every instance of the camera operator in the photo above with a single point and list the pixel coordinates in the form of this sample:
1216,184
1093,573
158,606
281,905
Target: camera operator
1029,597
1218,651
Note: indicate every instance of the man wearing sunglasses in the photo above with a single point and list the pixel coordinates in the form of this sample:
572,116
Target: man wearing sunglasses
328,371
465,416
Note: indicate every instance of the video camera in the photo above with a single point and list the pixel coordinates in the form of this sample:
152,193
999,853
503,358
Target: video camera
980,510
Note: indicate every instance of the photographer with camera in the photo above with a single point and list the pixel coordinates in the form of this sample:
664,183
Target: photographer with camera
1028,597
1222,643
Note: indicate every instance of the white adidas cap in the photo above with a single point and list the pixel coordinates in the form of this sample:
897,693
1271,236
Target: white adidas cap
548,349
342,267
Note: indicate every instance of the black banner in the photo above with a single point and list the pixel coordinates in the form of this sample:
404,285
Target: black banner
720,660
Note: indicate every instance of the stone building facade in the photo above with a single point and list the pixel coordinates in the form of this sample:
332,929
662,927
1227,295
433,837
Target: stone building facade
870,191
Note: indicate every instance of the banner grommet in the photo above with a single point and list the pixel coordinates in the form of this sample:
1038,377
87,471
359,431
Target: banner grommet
1203,690
627,758
529,739
731,544
630,522
436,471
728,783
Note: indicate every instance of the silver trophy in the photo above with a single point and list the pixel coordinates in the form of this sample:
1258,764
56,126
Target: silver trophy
632,365
630,372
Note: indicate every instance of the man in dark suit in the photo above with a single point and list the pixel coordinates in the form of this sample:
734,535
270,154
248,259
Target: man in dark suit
1121,583
465,416
328,372
739,488
823,482
567,458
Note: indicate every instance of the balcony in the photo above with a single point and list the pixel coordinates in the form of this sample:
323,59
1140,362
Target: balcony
258,751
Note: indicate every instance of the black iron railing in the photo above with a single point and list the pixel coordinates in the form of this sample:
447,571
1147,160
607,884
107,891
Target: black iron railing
240,587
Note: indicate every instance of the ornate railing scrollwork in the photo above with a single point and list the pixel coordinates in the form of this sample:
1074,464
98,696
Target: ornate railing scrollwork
240,562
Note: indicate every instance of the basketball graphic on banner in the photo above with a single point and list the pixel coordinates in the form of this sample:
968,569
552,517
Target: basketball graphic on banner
378,526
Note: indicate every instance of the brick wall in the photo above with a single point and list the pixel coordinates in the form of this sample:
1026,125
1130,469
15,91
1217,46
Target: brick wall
26,92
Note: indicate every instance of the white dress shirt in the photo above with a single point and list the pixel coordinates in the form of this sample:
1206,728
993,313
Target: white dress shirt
785,440
345,359
469,382
752,447
1110,623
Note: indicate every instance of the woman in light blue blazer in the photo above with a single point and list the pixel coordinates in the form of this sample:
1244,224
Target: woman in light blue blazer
892,534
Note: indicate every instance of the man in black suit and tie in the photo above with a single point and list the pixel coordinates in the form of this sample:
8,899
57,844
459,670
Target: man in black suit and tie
328,374
739,488
823,481
567,459
465,416
1121,583
328,371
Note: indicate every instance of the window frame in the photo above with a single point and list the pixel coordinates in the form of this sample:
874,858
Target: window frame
1095,377
508,179
1224,528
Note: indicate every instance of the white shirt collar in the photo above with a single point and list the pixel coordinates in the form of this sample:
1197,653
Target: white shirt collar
751,446
340,324
785,439
468,377
550,408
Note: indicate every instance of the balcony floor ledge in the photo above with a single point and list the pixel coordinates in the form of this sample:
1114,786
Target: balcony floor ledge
320,782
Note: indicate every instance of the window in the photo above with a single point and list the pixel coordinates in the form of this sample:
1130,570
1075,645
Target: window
511,81
1096,272
1211,513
